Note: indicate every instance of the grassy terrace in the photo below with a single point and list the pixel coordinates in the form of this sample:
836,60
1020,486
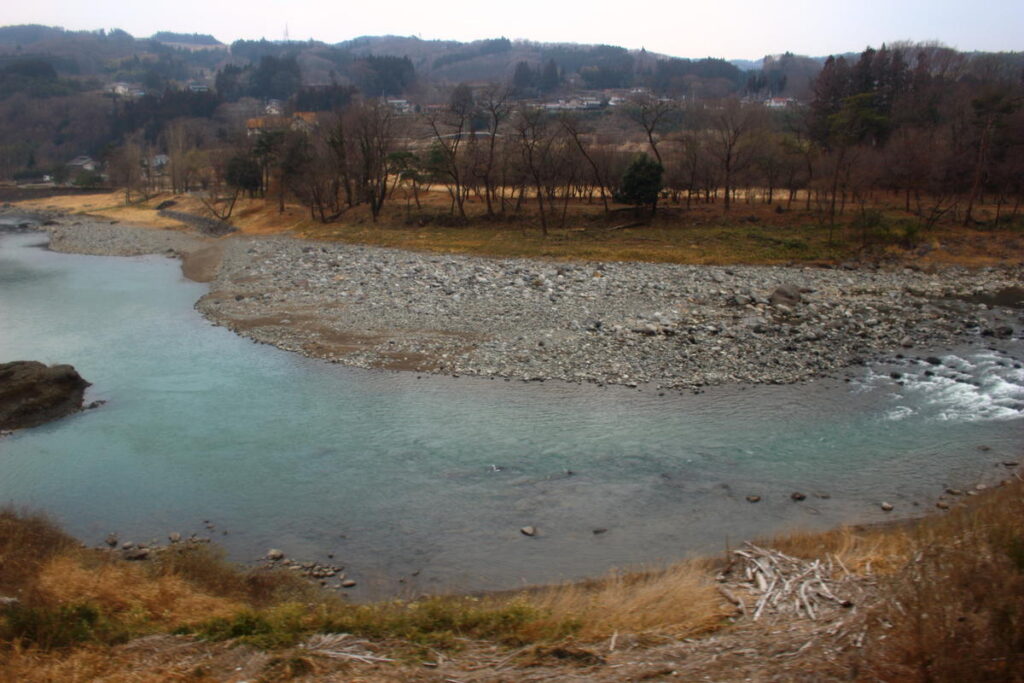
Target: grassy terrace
753,233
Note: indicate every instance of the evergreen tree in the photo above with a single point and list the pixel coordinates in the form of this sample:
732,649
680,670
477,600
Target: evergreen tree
550,78
244,173
524,80
641,183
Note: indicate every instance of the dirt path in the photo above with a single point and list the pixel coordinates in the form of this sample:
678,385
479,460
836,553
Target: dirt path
202,265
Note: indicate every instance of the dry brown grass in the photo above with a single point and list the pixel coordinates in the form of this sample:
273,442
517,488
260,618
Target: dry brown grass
110,205
679,602
27,542
955,610
949,607
129,592
153,659
753,233
206,570
877,549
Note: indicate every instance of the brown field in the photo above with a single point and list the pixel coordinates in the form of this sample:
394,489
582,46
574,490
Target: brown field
752,232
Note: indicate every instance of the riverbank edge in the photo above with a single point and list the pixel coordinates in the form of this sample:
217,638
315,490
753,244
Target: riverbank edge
742,325
709,623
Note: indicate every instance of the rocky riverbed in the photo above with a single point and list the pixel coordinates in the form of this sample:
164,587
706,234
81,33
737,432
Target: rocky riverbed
615,323
669,326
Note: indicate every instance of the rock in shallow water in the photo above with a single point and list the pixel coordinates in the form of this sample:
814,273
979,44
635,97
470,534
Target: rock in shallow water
32,393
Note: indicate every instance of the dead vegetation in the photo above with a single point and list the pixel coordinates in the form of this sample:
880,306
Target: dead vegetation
937,600
754,233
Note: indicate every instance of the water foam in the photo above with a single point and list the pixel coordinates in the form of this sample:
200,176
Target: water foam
982,386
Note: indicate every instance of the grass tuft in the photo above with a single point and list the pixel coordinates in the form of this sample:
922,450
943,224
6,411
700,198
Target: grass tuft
680,601
955,610
27,542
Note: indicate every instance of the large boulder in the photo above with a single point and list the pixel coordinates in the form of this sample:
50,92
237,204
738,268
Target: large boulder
786,295
32,393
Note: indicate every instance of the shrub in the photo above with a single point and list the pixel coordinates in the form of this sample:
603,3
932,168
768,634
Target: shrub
58,627
27,542
641,183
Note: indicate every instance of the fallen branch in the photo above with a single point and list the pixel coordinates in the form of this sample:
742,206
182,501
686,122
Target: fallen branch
784,584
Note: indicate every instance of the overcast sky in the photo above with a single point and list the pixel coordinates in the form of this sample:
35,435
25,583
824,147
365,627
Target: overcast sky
735,29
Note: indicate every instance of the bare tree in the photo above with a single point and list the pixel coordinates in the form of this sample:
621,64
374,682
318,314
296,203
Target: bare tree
183,139
732,127
494,102
126,167
651,113
372,126
571,125
451,128
536,146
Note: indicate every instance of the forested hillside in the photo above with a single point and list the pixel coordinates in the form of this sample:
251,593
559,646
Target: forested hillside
501,120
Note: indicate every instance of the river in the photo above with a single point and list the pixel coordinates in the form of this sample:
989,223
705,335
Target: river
421,483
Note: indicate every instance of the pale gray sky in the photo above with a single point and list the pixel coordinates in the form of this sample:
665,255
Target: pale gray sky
736,29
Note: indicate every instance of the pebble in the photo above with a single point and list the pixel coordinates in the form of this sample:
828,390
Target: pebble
528,531
887,507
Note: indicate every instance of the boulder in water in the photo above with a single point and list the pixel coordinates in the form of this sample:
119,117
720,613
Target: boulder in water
32,393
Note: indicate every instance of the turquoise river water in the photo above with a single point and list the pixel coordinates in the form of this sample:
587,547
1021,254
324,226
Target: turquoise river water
423,483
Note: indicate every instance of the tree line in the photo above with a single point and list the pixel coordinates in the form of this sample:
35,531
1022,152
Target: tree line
939,131
922,127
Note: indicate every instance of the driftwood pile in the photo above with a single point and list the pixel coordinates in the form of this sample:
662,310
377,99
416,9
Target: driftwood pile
778,584
343,646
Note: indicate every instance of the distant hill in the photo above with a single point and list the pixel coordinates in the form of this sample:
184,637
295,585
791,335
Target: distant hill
493,59
28,34
747,64
115,55
185,38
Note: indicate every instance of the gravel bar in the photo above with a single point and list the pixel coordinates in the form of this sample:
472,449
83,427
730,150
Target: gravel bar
667,326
